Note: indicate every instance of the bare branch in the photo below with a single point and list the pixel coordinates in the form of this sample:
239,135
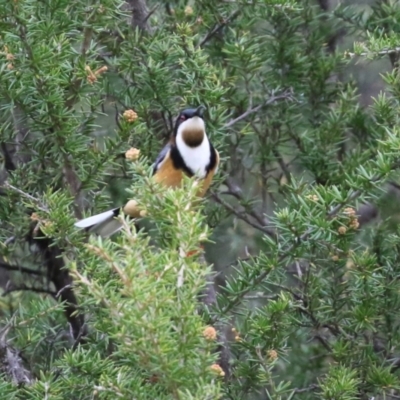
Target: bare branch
140,15
282,164
236,191
242,215
59,275
306,389
283,96
38,203
151,13
217,28
87,37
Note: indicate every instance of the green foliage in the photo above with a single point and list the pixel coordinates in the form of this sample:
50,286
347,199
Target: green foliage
312,298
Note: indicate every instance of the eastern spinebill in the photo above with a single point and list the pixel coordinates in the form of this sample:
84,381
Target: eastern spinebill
189,152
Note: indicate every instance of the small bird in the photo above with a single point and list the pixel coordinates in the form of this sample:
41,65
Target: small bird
189,152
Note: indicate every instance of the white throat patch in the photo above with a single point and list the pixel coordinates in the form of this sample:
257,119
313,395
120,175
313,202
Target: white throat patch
196,158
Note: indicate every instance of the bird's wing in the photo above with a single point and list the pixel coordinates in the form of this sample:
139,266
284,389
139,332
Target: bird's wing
161,156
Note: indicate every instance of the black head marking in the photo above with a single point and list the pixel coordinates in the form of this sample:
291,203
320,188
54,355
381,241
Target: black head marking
186,114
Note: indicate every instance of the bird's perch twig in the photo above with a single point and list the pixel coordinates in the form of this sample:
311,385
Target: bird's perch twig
217,28
272,99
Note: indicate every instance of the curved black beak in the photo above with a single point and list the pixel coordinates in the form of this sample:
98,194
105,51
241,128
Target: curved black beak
200,111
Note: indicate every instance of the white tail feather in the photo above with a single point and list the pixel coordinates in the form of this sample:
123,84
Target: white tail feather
95,219
103,224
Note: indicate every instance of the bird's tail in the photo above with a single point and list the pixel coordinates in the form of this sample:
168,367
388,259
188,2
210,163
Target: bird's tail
104,224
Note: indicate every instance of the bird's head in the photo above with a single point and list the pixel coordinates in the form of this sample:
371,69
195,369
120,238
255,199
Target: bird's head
190,126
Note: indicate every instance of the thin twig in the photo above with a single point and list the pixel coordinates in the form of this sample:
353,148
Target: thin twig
151,12
235,191
9,240
217,28
306,389
87,37
282,164
285,95
242,215
38,203
62,289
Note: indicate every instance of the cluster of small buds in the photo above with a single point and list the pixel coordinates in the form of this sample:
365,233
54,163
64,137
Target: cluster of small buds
350,264
132,154
354,224
210,333
132,209
92,76
237,336
272,354
35,217
351,213
9,57
312,197
342,230
216,368
47,224
130,115
44,222
188,10
335,257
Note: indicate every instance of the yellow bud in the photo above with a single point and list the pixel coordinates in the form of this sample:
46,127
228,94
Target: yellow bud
91,77
272,354
35,217
312,197
210,333
102,69
131,208
217,369
132,154
354,224
188,10
130,115
349,211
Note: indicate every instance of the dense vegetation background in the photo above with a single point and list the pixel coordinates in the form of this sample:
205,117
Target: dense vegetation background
302,226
